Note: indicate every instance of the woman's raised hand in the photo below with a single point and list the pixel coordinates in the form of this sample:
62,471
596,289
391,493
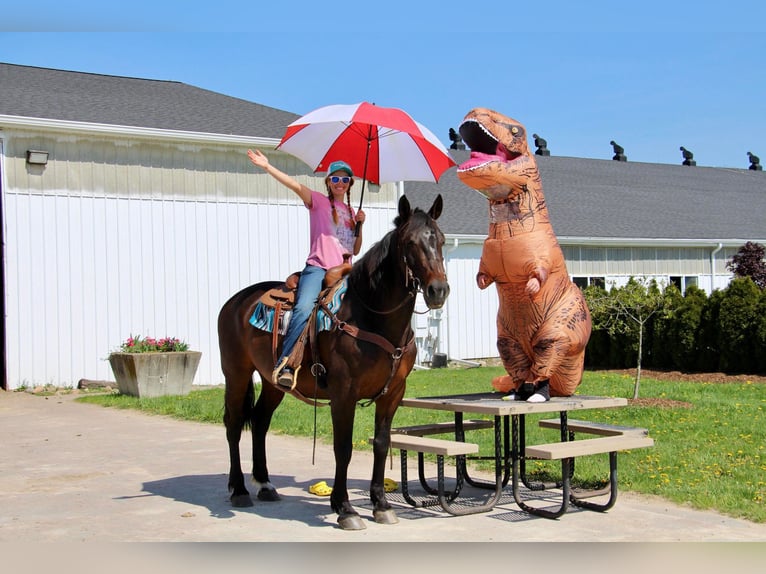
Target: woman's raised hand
258,158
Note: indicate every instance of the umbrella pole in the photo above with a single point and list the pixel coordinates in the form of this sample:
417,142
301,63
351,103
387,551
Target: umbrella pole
364,178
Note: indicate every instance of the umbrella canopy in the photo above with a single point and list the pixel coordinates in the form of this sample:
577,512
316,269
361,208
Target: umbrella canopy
380,144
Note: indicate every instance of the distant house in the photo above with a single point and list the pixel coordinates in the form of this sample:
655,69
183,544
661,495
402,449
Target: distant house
129,207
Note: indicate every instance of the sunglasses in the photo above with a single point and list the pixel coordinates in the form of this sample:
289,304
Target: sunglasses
336,179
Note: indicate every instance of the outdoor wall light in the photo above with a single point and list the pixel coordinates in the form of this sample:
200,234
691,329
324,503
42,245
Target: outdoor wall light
37,157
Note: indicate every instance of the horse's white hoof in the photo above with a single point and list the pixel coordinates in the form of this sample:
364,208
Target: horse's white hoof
351,522
385,516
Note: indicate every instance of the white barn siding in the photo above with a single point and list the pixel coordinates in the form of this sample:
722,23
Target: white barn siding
469,329
119,235
113,239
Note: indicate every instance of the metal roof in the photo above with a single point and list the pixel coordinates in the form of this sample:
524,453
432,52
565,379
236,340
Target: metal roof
594,198
115,100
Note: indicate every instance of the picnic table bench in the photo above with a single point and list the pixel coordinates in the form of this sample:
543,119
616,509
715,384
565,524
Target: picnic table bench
513,451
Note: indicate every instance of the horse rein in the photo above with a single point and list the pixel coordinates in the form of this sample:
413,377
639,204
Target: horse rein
396,353
413,286
411,292
317,368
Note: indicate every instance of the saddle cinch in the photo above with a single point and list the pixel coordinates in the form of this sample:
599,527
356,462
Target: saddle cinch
280,300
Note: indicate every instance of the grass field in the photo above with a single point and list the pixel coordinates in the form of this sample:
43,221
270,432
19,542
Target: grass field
710,439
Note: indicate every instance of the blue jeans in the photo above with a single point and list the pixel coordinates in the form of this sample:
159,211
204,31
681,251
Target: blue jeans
309,286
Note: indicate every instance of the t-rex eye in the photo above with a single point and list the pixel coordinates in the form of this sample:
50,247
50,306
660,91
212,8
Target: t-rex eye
514,130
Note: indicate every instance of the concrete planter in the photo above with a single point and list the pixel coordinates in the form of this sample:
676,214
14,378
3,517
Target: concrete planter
155,374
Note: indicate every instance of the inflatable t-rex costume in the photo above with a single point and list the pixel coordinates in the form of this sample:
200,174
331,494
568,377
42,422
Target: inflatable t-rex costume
543,322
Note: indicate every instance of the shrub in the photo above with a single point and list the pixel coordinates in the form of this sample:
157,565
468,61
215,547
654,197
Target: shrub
685,328
736,322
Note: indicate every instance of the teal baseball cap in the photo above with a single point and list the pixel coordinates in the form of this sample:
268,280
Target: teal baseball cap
340,166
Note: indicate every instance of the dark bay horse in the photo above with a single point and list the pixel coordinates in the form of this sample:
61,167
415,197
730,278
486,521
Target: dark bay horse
367,356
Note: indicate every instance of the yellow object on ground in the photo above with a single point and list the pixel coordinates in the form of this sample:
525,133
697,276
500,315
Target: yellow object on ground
321,488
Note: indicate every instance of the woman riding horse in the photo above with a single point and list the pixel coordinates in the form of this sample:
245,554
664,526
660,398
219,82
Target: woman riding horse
368,354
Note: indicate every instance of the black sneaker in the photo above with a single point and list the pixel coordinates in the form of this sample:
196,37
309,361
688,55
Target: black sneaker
525,391
542,393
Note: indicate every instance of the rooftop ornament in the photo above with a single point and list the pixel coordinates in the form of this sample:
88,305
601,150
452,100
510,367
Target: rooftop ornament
755,162
619,151
688,156
541,145
457,141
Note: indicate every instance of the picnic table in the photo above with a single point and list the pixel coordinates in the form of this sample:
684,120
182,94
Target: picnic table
511,451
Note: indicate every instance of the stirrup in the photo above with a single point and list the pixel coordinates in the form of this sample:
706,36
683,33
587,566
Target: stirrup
283,379
278,370
286,380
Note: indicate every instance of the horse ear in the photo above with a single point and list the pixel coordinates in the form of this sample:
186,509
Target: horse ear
404,208
436,208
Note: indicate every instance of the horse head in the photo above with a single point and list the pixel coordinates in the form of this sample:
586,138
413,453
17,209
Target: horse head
420,243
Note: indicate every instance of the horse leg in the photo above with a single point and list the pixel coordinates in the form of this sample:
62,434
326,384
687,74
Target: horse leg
268,401
385,409
237,411
343,410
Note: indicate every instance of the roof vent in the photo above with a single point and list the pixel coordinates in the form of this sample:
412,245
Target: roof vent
457,141
755,162
541,145
688,156
619,152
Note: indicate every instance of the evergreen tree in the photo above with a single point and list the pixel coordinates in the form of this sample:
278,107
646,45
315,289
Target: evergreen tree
736,331
709,349
685,330
759,337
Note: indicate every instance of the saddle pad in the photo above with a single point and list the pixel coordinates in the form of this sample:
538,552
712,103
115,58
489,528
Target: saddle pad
324,322
263,315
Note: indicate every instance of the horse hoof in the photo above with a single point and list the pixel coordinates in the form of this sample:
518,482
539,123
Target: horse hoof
351,522
385,516
268,495
241,500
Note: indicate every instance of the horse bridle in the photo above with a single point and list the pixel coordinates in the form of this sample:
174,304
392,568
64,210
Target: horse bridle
412,291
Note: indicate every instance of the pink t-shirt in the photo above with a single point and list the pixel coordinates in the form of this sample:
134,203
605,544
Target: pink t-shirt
328,241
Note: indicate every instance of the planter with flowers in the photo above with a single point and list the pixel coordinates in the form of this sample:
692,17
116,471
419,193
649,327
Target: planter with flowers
147,367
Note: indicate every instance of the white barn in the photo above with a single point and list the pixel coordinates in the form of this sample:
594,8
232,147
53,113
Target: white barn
129,207
144,219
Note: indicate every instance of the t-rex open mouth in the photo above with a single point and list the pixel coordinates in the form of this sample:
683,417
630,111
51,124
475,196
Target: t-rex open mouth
484,146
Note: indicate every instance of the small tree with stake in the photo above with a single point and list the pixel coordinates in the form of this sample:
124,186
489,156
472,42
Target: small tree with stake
626,310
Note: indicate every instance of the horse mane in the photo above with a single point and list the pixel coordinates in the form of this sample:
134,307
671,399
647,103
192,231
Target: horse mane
371,267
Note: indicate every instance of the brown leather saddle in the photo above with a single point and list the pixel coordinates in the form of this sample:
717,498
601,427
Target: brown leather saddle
282,299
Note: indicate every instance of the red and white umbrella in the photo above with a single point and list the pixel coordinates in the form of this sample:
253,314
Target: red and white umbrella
380,144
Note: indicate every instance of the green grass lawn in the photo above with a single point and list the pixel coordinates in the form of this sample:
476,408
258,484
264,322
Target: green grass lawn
709,453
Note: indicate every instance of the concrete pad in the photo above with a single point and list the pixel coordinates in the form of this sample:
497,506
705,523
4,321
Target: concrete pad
75,472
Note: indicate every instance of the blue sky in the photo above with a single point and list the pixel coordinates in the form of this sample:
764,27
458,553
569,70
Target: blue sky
651,75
